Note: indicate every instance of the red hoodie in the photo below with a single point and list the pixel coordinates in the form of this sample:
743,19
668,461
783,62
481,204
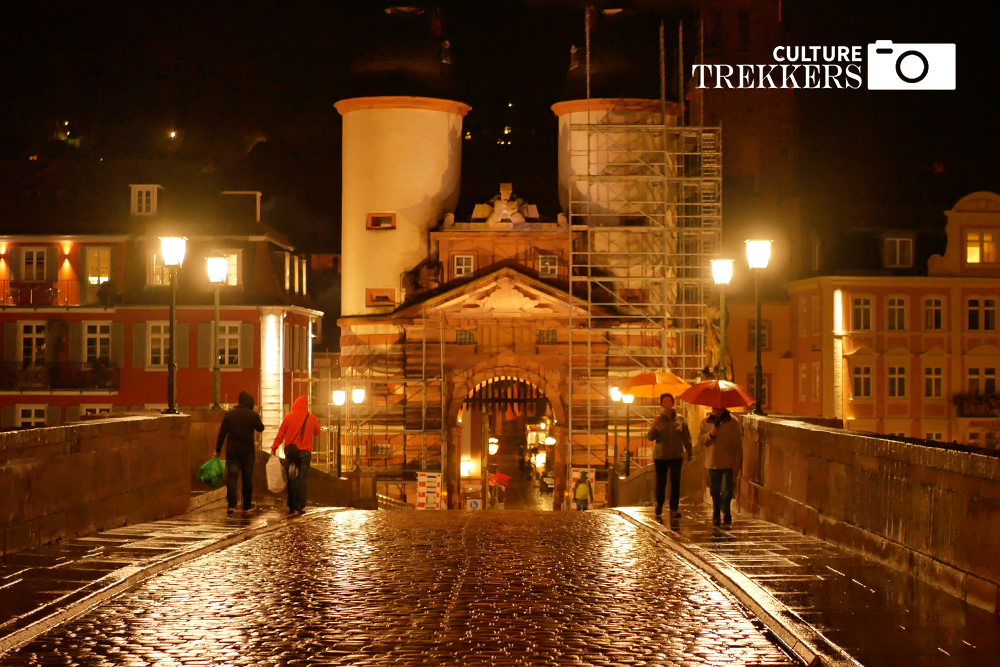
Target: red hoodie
292,424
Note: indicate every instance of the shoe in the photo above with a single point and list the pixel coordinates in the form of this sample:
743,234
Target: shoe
250,509
674,514
659,510
716,518
728,519
230,510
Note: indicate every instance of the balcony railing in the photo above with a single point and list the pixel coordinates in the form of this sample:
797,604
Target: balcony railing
978,405
60,375
39,294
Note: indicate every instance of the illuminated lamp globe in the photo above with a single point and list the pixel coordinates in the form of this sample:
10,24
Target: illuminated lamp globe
357,395
550,440
218,269
616,394
339,397
494,446
173,248
627,398
722,271
758,254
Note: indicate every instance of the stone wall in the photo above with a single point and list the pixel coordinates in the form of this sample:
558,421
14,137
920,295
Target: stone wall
930,511
63,481
640,487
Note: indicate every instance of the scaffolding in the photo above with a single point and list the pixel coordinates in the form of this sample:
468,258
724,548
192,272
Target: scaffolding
645,214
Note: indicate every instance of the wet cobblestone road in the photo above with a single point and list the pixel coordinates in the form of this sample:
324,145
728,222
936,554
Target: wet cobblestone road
410,588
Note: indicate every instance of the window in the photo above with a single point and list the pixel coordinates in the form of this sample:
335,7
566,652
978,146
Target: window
980,248
548,266
982,314
898,434
463,265
816,315
897,382
932,314
91,410
765,386
897,314
932,382
861,319
816,383
34,264
547,337
158,343
159,273
380,297
973,313
898,253
765,335
803,314
381,221
982,381
30,416
862,381
974,437
934,435
143,199
989,315
465,337
32,344
233,277
803,382
98,265
229,344
97,341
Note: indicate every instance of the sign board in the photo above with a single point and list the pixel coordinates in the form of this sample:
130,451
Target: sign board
428,490
575,475
473,503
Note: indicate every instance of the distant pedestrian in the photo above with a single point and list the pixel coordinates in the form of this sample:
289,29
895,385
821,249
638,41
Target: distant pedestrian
298,430
583,492
722,437
672,439
237,431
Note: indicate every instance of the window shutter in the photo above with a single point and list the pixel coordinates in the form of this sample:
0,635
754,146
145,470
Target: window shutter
52,332
84,285
16,264
181,354
51,266
117,344
72,413
7,414
205,344
246,345
53,415
139,345
117,408
10,342
76,342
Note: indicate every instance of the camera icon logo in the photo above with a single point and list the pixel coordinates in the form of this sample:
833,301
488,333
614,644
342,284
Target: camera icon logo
911,66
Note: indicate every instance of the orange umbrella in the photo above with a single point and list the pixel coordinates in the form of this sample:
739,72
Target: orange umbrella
651,385
718,394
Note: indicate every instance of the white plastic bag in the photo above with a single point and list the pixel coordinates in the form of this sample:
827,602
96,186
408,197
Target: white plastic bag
275,475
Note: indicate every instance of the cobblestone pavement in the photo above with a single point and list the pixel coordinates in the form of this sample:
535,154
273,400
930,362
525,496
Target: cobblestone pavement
409,588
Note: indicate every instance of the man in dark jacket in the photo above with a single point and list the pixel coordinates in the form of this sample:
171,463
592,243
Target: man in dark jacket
672,440
239,425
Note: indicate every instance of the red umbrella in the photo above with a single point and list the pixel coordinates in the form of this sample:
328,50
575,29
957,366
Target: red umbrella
718,394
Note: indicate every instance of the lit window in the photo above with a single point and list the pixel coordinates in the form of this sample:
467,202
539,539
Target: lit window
465,337
862,381
97,342
94,410
30,416
159,273
980,248
158,343
932,383
898,253
932,314
463,265
229,344
34,264
897,382
32,344
98,265
548,266
862,314
897,314
233,277
547,336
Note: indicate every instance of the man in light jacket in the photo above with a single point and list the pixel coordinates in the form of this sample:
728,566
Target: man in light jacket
298,428
722,437
672,437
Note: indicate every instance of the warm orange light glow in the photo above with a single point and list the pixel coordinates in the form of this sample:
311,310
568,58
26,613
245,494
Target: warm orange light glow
66,247
3,248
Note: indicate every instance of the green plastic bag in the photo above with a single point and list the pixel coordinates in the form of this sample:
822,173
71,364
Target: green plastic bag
211,472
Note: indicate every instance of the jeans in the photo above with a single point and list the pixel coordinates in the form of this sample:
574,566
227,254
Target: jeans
674,467
720,484
297,486
235,465
581,505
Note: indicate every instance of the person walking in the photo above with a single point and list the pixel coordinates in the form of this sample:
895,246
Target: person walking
583,492
672,440
237,431
298,430
722,437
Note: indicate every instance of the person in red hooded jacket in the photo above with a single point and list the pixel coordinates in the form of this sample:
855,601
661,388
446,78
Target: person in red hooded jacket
298,428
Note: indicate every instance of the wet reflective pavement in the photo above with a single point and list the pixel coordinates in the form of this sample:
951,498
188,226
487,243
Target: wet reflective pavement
880,616
409,588
522,494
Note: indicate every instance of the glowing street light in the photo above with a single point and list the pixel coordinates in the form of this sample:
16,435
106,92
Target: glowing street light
627,400
172,248
722,273
339,398
494,446
550,440
358,396
758,254
218,271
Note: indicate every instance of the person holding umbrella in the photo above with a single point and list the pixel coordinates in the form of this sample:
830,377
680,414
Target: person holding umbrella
722,437
672,439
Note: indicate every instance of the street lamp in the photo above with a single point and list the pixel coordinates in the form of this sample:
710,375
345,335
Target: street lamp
218,272
172,248
358,397
494,446
339,398
758,253
627,400
722,273
616,396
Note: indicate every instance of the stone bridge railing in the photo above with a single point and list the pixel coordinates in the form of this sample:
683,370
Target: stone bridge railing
928,509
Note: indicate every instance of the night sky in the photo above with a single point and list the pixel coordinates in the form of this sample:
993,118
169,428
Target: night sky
253,84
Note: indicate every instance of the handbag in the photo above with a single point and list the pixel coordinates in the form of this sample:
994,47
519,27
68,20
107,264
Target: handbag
292,454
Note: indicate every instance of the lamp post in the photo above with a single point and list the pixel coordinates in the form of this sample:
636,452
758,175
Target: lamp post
358,397
172,248
616,396
758,253
722,273
218,272
627,400
339,398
